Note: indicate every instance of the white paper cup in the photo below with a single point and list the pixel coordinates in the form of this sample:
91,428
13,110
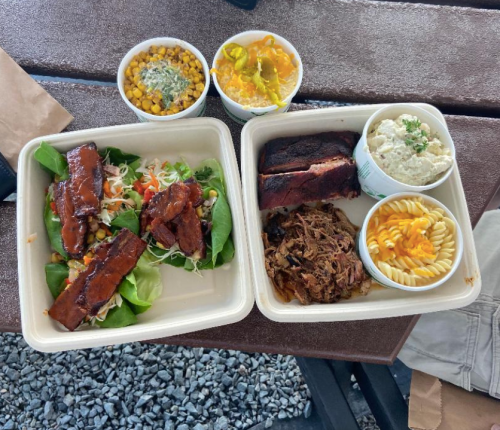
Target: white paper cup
375,272
197,109
237,112
374,181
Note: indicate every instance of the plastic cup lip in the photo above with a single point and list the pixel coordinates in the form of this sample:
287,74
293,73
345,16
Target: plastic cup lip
458,241
289,48
168,42
442,130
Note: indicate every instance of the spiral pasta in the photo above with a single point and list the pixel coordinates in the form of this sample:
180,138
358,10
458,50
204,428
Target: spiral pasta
412,206
398,275
411,242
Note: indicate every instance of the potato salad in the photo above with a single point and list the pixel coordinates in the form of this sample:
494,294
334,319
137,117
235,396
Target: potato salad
408,151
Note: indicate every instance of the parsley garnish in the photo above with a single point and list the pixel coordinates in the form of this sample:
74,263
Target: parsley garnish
203,174
414,134
168,80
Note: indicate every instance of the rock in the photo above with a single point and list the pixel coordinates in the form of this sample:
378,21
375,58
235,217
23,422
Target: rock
48,410
110,409
227,380
164,376
242,387
12,374
308,409
143,400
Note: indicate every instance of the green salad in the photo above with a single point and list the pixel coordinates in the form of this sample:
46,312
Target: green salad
134,190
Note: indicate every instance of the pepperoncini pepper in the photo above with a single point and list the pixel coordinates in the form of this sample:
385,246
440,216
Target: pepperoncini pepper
236,54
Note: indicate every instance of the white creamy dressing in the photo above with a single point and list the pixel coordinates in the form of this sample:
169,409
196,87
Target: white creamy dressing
388,146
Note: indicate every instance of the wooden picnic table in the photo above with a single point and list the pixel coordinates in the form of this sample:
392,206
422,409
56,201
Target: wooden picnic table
353,50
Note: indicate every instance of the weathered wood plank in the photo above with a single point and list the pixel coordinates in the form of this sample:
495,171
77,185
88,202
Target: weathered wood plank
353,50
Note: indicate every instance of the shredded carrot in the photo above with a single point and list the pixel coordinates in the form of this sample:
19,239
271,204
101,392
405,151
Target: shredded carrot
113,207
166,162
153,182
86,260
107,189
119,190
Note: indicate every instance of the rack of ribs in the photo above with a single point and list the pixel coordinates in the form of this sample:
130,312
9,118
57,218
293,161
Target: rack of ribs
87,179
98,282
301,169
73,229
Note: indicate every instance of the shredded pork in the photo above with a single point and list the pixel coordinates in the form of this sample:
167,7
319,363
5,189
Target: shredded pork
310,254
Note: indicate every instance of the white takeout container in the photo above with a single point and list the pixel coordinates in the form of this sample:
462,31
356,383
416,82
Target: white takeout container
375,272
196,110
460,290
374,181
237,112
188,302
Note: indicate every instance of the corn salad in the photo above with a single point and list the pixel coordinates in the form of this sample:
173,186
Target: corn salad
164,81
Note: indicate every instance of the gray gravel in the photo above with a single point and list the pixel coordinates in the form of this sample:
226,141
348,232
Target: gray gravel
146,387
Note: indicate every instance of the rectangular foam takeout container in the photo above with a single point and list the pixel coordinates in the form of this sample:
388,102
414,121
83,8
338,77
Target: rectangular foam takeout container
188,302
462,288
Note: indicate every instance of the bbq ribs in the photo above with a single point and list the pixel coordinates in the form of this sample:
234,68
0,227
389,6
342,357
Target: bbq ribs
295,170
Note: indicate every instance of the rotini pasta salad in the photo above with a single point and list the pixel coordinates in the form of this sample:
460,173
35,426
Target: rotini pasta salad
412,240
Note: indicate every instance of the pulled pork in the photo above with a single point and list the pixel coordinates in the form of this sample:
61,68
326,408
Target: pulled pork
310,254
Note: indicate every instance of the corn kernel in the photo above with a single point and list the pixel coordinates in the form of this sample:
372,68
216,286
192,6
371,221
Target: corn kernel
212,193
129,94
137,93
135,71
54,258
154,49
199,212
142,64
136,79
101,234
196,94
134,63
141,86
175,109
200,87
156,109
196,80
159,245
160,57
153,59
185,59
162,50
128,72
146,104
90,238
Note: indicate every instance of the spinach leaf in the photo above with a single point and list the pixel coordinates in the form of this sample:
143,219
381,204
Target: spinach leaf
210,174
227,252
184,170
117,157
55,275
136,197
52,160
132,175
53,226
119,316
143,285
136,309
127,219
222,224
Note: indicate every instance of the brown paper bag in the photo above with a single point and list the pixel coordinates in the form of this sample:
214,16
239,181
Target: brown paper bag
438,405
26,110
